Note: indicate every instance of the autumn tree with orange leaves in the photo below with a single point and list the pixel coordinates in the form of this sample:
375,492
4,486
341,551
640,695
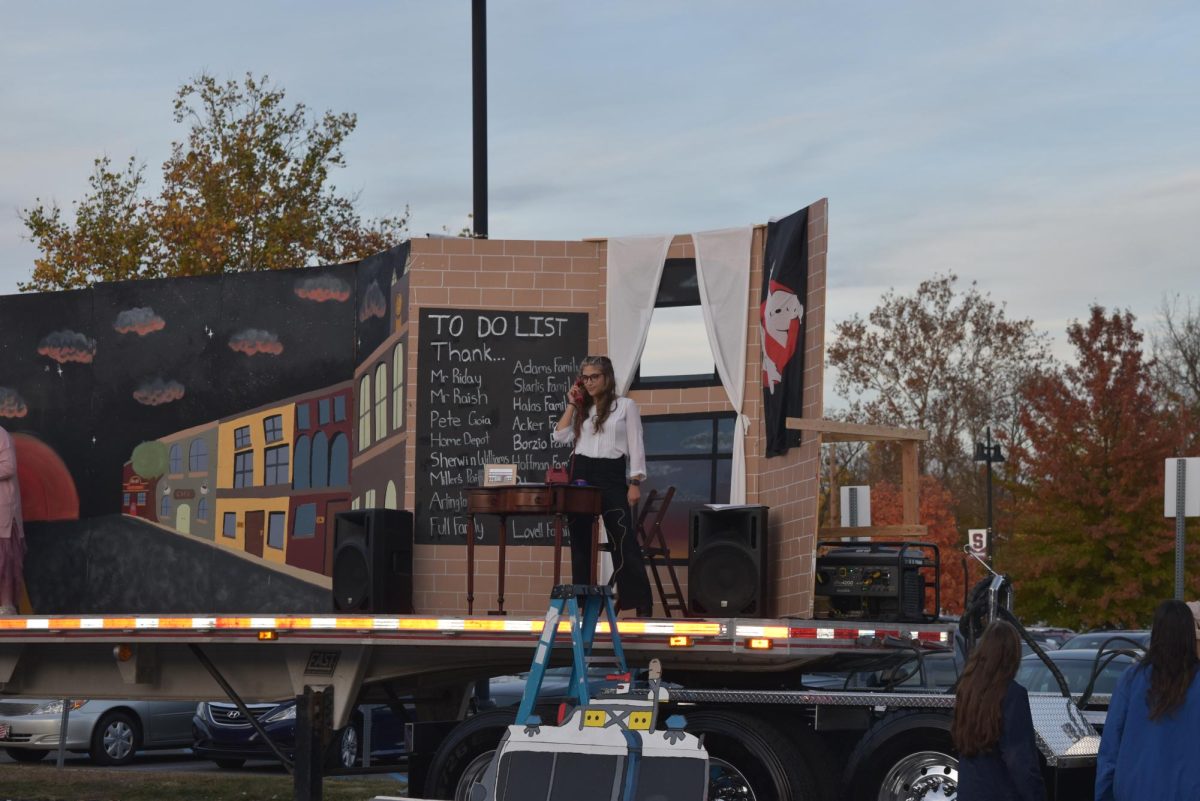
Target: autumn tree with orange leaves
936,509
1090,546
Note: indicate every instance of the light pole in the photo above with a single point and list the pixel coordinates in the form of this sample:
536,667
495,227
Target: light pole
989,453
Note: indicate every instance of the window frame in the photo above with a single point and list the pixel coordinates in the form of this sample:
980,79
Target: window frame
273,429
272,470
686,381
243,467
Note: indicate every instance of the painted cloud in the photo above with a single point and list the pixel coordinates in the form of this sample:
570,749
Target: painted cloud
374,304
68,346
140,320
322,288
12,404
253,341
157,392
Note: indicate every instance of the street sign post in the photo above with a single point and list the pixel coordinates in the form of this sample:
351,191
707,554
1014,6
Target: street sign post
977,541
1181,500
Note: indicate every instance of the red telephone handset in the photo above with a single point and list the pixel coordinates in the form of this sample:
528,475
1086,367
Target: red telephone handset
577,392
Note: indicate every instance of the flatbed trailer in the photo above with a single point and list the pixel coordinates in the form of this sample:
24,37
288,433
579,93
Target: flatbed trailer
740,683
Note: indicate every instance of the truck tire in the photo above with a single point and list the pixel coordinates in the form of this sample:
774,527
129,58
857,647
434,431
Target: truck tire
116,738
907,754
751,760
466,753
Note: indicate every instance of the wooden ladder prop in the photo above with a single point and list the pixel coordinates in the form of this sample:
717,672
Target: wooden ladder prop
655,550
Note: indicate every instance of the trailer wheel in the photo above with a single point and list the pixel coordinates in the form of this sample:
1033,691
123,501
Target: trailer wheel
466,753
751,760
905,756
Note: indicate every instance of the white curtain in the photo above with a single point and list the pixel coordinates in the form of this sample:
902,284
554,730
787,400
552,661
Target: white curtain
723,269
635,265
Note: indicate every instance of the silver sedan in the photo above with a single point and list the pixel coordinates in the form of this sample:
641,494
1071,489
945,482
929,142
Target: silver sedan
111,732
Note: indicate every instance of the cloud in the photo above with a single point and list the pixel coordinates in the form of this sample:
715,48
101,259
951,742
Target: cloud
68,346
12,404
157,392
253,341
140,320
373,304
322,288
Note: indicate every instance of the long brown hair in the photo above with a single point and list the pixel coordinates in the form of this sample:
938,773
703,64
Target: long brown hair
604,404
978,712
1171,658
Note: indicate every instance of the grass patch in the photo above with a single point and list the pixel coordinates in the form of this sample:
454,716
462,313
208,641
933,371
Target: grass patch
44,783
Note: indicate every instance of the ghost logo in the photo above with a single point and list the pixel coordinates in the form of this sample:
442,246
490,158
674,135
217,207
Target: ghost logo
781,315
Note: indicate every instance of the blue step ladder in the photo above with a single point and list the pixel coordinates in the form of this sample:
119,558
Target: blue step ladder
581,605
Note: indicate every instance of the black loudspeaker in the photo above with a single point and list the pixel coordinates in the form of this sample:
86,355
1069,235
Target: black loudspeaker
373,561
727,562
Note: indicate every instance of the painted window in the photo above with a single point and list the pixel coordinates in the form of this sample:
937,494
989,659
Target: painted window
164,508
275,530
302,412
125,500
198,456
339,461
304,524
356,503
381,391
364,413
300,477
243,469
320,460
369,499
241,437
339,408
275,460
176,465
390,497
694,454
323,411
677,352
202,509
398,387
229,525
141,499
273,428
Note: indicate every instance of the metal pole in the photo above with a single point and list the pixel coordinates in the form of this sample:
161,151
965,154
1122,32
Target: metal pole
988,454
62,733
479,113
1180,520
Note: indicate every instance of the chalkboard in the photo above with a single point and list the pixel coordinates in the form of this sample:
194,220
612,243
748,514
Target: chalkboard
490,388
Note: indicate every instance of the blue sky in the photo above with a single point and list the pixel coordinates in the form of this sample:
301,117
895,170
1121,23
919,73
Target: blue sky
1049,152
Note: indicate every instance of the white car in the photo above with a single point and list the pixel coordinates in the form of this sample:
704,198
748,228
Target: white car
111,732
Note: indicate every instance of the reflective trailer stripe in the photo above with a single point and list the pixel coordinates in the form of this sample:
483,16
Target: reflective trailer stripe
774,632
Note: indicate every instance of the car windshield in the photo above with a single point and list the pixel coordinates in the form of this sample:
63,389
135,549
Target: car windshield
1094,639
1034,676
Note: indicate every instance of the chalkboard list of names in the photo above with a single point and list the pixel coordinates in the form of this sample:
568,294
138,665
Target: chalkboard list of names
491,387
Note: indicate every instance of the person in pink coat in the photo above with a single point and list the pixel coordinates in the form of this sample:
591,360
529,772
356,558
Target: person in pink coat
12,532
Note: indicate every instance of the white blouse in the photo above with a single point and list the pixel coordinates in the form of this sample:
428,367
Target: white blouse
622,436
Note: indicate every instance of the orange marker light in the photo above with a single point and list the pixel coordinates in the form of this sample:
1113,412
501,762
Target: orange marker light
268,635
680,641
759,644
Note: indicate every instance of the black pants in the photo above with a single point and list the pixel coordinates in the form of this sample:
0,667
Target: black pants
630,571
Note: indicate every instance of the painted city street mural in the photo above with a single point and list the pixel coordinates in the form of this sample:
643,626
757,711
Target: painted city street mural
181,430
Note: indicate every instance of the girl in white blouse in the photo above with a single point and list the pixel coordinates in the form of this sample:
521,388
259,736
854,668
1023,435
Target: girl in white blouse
607,432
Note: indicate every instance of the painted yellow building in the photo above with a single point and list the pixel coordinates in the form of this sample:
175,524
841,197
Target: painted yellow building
254,481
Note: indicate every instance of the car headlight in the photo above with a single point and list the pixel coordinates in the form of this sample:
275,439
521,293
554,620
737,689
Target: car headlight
56,707
287,713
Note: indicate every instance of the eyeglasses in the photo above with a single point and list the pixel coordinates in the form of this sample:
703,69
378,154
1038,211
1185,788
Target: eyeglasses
590,377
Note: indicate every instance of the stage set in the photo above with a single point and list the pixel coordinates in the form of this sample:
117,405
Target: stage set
276,405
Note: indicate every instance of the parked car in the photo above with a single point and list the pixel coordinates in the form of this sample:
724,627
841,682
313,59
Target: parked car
1094,639
1076,665
111,732
1050,639
222,734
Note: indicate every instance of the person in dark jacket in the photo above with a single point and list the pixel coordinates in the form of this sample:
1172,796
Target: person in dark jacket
1149,745
993,729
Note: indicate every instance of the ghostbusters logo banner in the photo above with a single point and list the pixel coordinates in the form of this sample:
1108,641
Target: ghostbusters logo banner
781,319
